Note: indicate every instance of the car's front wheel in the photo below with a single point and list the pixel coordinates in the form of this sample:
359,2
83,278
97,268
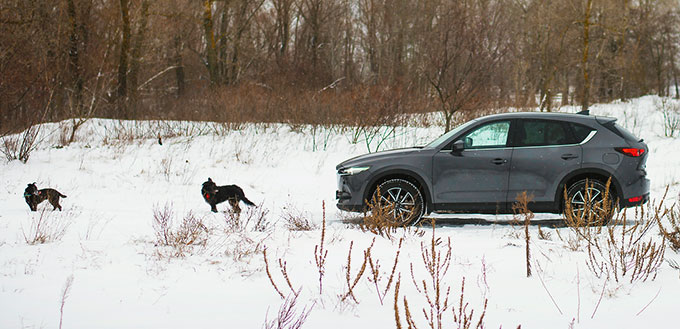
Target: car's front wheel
588,199
401,201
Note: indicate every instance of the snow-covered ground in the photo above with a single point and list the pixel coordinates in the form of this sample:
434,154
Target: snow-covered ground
107,270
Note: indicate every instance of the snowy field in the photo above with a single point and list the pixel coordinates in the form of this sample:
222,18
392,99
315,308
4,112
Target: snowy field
103,265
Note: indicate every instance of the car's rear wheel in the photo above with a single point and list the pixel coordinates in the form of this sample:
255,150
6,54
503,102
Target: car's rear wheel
589,200
401,201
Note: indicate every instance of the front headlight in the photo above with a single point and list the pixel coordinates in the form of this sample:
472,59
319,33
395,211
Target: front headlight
352,170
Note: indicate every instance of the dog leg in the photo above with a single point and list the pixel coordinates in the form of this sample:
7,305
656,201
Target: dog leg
234,205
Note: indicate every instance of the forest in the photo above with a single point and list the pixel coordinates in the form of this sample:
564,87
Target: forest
347,62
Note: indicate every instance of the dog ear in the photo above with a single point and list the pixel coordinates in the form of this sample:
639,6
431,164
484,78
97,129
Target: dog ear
210,179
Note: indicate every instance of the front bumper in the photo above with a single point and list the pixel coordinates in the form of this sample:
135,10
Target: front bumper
350,192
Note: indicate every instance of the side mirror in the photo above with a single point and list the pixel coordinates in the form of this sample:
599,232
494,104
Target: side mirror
458,146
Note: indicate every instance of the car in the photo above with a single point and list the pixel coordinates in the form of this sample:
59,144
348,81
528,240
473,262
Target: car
485,164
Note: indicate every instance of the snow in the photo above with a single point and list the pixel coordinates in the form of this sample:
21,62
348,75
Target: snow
116,174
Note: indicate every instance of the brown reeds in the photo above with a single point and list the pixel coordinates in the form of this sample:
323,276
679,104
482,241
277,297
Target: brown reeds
376,275
352,282
320,252
521,209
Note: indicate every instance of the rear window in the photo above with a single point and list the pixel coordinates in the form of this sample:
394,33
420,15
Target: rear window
621,132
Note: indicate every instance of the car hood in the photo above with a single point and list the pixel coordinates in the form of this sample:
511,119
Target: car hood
366,159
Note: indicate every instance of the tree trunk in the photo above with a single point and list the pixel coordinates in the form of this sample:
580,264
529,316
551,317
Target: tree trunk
74,61
211,52
565,88
584,62
675,77
135,59
222,46
179,66
123,58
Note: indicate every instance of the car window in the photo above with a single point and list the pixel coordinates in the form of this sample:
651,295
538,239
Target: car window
580,132
488,136
622,132
542,133
445,137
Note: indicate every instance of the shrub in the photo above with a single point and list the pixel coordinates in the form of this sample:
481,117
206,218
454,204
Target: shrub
296,220
671,115
672,231
19,147
618,250
191,232
45,227
380,221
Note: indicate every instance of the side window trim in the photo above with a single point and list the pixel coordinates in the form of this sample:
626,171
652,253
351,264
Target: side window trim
589,137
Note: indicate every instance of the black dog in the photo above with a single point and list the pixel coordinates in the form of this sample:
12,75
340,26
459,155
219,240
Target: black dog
213,194
34,196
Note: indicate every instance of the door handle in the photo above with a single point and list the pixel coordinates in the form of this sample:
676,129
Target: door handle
499,161
569,156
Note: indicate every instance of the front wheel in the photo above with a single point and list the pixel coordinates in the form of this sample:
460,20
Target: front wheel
590,200
402,201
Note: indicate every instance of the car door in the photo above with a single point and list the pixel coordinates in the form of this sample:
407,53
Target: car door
544,152
476,178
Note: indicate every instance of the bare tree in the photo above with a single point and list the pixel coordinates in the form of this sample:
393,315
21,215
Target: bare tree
466,44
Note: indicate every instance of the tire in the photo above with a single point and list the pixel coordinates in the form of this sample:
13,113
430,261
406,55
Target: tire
404,200
587,198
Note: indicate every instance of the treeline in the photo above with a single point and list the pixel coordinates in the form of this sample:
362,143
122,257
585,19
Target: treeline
326,61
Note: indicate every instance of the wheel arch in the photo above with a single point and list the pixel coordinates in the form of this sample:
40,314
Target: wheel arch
586,173
407,175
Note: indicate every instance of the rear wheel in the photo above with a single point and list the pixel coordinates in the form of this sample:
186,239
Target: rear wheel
402,201
589,199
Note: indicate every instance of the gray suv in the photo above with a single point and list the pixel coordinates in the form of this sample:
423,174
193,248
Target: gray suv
483,165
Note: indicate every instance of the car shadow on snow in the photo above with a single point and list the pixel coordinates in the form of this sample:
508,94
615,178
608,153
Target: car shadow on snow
453,220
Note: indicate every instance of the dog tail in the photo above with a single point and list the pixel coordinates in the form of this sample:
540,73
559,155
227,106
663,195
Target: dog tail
245,200
61,195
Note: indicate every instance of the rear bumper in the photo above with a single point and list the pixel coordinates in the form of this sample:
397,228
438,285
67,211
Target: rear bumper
636,194
635,201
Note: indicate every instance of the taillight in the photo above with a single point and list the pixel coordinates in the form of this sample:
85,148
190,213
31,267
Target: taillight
629,151
635,199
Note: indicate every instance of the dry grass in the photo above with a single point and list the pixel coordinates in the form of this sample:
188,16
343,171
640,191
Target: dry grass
619,250
379,221
524,215
46,227
283,268
671,231
296,220
435,288
377,277
320,253
251,219
437,259
288,317
190,233
351,280
64,295
19,147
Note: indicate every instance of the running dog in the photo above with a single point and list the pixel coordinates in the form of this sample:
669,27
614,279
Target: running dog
34,196
213,194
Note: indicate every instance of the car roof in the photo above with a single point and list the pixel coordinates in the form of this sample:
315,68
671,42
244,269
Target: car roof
576,117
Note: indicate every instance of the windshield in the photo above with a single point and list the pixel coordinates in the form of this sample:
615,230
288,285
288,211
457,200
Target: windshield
443,138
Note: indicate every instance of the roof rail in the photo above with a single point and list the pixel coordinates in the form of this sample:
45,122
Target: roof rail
584,112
